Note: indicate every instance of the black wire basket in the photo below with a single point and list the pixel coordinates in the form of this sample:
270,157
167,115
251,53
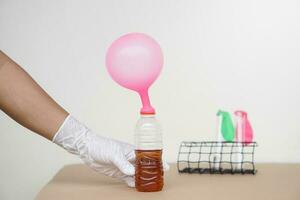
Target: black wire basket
212,157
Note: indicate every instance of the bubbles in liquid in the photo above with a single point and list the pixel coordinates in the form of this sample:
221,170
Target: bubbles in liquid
149,170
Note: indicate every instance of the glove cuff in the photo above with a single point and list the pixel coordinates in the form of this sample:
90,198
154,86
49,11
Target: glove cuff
60,129
72,136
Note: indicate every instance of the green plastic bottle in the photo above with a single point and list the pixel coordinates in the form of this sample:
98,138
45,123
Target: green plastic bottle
227,127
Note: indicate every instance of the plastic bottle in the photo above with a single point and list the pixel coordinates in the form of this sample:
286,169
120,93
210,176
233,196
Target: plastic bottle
148,166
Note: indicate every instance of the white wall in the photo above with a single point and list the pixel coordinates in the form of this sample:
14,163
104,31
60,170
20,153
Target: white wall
218,54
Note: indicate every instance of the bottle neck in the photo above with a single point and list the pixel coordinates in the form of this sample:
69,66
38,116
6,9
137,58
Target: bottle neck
147,115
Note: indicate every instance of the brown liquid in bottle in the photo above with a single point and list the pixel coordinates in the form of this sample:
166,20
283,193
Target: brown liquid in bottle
148,170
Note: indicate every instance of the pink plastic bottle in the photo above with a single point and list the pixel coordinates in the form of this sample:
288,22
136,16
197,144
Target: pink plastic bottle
244,132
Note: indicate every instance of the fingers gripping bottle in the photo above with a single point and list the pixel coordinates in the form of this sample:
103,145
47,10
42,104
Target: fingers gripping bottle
148,164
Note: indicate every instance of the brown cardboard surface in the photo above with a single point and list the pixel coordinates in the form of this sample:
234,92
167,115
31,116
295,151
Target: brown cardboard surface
273,181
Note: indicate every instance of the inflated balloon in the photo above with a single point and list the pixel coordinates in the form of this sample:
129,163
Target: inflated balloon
134,61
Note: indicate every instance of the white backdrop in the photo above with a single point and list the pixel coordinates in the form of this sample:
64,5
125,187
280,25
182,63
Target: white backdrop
218,54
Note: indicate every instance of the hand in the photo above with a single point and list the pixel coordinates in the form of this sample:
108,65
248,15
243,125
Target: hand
110,157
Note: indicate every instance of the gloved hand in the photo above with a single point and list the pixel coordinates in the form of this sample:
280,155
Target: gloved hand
110,157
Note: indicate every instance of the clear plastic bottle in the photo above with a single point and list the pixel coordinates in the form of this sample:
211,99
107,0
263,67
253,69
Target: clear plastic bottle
148,166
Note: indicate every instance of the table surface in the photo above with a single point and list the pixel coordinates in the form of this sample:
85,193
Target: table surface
273,181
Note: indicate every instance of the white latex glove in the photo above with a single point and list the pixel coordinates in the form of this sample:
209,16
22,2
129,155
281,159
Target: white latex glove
110,157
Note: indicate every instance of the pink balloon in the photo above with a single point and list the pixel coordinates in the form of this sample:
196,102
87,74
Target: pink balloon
135,61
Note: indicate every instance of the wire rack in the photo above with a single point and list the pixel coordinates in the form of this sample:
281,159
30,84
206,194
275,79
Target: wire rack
212,157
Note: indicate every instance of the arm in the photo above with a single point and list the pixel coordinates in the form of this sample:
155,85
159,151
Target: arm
26,102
